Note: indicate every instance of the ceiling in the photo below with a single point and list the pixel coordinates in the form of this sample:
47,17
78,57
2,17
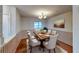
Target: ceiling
34,10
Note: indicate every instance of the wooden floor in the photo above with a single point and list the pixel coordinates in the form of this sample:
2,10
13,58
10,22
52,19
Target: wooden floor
65,46
22,47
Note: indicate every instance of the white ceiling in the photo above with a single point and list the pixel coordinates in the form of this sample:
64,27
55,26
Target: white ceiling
31,10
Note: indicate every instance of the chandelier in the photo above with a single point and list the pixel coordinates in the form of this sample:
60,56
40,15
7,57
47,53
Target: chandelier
42,16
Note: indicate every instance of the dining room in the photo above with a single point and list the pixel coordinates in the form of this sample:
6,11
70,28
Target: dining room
37,29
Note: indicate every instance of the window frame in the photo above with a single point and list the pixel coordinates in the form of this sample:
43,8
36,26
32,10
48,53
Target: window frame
38,26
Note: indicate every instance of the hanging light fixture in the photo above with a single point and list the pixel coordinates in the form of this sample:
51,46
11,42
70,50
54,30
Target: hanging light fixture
42,16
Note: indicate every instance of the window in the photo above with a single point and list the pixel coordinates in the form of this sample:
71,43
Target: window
37,25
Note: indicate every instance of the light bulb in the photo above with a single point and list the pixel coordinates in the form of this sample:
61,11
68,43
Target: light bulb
45,17
42,16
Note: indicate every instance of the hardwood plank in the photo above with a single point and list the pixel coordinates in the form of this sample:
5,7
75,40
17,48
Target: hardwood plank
22,47
65,46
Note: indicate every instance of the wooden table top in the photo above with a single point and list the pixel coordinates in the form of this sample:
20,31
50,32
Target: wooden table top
42,36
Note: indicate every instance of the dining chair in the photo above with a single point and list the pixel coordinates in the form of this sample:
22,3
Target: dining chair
51,44
33,42
54,32
49,31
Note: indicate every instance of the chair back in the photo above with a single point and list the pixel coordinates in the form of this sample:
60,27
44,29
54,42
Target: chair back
32,40
29,35
54,32
52,41
49,31
36,35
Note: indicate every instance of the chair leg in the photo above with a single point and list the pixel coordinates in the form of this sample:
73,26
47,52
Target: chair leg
49,51
54,50
39,48
30,49
43,49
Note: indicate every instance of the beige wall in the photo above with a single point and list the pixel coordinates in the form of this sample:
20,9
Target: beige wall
67,17
65,34
0,25
18,21
27,23
0,19
68,21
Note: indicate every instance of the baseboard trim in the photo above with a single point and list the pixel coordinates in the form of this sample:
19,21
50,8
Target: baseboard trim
62,50
8,40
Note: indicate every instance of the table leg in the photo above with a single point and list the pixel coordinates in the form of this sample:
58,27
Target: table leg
42,45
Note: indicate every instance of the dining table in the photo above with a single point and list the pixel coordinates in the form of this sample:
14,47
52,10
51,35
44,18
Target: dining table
42,37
